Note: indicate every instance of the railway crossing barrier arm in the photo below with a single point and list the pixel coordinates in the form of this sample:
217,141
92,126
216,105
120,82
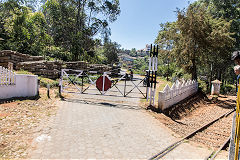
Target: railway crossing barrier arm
115,84
72,81
136,86
91,81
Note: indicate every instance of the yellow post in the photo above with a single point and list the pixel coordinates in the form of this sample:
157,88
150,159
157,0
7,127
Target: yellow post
237,128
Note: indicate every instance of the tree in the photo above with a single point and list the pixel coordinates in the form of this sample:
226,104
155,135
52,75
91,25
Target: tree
196,38
61,29
133,52
27,3
201,36
166,38
229,10
110,51
74,23
23,30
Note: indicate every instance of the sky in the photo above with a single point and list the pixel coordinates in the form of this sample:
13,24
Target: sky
138,23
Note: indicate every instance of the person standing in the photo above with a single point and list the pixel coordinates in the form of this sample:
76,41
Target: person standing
236,59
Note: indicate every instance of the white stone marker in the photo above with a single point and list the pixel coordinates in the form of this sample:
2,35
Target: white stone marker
215,90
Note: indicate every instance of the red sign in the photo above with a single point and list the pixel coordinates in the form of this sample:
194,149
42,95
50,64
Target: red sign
106,81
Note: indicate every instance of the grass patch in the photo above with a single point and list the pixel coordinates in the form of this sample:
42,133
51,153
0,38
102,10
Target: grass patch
45,81
23,72
161,83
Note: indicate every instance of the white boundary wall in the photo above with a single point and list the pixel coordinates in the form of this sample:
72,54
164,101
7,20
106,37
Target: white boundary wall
178,91
24,86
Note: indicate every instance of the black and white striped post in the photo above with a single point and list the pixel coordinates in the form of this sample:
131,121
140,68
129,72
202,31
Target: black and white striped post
151,77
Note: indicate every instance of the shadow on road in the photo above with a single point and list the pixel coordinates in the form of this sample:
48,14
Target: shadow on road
105,104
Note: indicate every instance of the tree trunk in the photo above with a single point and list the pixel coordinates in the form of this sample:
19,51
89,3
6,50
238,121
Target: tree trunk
210,83
90,15
82,15
194,70
78,21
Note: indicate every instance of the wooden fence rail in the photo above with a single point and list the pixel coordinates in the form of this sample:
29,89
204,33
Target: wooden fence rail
7,76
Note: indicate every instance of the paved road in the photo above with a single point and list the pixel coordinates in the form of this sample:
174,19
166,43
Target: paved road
106,127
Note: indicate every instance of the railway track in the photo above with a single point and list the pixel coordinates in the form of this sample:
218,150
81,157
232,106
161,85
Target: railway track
215,153
171,147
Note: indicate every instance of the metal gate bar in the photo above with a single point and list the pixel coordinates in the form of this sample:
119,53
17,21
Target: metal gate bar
72,81
65,77
136,86
91,81
115,85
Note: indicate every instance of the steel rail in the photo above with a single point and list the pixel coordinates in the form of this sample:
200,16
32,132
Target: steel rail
215,153
174,145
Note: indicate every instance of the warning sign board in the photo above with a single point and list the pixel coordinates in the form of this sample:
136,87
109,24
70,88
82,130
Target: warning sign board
103,83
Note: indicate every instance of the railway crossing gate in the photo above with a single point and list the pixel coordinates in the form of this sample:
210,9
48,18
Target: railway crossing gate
94,82
97,82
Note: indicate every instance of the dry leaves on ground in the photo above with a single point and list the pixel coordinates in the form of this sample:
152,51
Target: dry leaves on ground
20,119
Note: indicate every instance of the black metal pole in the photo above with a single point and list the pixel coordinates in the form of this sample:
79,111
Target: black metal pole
155,80
146,81
210,83
59,91
150,53
82,82
126,75
48,90
152,79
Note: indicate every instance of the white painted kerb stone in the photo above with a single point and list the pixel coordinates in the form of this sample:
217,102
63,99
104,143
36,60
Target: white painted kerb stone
25,86
215,90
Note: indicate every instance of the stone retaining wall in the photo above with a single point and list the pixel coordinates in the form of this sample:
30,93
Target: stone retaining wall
14,57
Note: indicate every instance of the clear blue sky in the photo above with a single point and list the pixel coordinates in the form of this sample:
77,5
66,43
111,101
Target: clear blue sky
138,23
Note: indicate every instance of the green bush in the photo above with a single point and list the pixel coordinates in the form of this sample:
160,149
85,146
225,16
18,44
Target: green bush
53,53
45,81
228,89
203,86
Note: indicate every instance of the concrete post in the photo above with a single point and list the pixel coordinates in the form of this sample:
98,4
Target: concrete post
215,89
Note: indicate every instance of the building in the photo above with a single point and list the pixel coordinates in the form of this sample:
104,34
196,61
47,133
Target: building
144,52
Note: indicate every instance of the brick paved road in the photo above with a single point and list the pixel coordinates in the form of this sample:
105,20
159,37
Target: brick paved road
104,127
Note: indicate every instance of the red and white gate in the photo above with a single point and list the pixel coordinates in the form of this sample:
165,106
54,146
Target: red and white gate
92,82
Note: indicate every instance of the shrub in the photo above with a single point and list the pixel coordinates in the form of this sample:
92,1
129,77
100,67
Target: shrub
45,81
59,53
203,86
228,89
